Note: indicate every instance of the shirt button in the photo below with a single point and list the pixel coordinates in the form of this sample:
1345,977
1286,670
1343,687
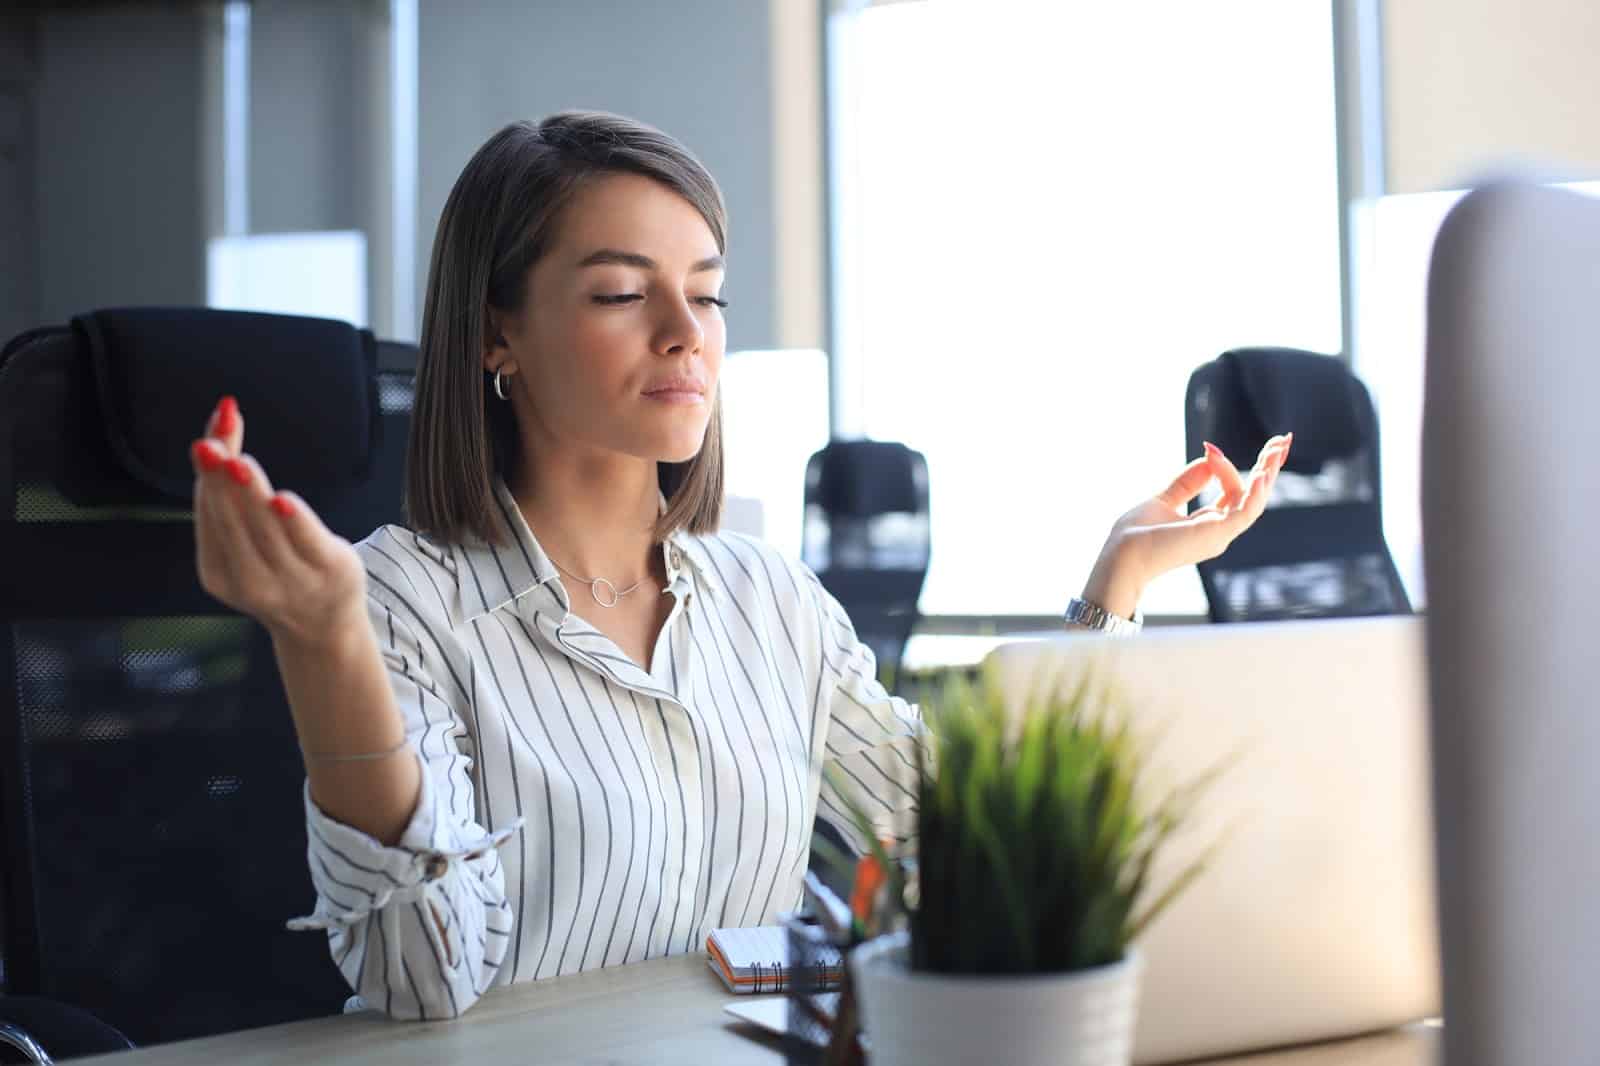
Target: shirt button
673,558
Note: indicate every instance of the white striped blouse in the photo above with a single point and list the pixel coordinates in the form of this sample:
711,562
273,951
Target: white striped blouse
577,810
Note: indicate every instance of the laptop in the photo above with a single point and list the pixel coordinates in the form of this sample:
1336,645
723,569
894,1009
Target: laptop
1316,917
1510,446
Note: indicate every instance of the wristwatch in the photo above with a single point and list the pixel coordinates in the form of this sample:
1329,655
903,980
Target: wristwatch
1086,615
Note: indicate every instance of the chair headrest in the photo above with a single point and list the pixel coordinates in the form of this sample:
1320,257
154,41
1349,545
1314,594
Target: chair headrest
1315,396
159,373
861,478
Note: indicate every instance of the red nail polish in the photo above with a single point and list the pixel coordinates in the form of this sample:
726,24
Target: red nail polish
205,455
227,416
282,506
238,471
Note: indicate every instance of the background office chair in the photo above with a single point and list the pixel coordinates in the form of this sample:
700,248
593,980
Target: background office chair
1318,551
866,536
154,837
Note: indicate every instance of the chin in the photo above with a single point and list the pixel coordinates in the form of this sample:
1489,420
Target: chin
679,455
680,446
666,447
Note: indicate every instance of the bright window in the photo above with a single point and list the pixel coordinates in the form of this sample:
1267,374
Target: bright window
323,275
1046,215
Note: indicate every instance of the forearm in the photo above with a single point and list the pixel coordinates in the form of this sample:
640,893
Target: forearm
1113,583
418,931
342,704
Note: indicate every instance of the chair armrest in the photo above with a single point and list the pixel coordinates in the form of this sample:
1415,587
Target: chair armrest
44,1029
15,1037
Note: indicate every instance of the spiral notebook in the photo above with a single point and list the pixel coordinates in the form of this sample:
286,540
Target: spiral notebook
757,960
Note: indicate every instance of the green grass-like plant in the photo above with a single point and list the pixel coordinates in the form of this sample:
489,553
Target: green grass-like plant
1034,847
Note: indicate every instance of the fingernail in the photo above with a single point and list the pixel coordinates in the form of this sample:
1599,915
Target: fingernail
227,415
1212,449
282,506
238,471
205,454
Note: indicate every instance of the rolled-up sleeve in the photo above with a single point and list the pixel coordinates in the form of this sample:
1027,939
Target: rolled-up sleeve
871,743
418,929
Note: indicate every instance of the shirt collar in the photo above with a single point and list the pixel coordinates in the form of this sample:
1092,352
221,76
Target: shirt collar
691,551
493,575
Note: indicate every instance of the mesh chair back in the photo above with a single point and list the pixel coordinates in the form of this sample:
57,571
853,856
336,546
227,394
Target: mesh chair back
1318,551
866,536
154,834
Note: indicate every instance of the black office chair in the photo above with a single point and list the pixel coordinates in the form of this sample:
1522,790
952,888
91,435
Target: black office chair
866,536
1318,551
154,836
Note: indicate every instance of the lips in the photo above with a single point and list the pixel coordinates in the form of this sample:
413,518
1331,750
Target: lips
685,386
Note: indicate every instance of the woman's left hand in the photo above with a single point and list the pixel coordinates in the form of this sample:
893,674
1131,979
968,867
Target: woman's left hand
1158,535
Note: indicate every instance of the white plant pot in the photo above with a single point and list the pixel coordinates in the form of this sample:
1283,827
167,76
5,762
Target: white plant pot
922,1019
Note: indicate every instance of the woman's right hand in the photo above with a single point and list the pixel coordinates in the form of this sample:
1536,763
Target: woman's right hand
266,553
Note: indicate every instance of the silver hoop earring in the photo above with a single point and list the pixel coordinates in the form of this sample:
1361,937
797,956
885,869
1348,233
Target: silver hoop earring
499,390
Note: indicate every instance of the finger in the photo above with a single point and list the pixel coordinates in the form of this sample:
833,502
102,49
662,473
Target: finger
1226,473
226,425
205,456
248,571
214,548
1189,484
1272,452
1254,502
1279,448
249,498
310,540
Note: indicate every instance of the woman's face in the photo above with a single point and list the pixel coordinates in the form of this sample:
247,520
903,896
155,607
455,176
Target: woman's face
620,339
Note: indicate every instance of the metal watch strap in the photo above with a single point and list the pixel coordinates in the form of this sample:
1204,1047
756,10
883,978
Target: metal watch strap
1081,612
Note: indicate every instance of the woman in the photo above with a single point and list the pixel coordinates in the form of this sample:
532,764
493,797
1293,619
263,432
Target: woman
562,722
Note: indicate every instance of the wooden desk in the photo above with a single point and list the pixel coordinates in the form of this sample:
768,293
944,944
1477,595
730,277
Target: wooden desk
666,1012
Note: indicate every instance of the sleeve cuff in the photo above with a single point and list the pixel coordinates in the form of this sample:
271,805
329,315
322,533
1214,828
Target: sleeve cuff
355,874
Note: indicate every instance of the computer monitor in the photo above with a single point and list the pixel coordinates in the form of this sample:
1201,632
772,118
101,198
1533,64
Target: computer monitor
1512,551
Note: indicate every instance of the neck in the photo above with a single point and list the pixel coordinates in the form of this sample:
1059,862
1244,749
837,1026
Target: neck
594,513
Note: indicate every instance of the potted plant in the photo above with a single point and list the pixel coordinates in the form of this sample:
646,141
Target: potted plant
1030,883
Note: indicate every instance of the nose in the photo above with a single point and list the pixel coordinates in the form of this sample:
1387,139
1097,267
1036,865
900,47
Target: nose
679,332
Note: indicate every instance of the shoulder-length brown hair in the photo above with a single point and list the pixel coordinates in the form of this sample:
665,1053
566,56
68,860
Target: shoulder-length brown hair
499,220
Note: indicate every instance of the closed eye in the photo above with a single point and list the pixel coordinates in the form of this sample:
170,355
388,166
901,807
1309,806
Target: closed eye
616,299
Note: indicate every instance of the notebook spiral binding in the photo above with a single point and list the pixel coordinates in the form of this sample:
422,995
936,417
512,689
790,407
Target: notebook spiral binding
764,972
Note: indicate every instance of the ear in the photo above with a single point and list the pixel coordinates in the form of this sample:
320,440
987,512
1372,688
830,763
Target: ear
494,344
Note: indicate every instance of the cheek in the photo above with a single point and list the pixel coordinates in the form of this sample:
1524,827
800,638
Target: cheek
590,351
716,343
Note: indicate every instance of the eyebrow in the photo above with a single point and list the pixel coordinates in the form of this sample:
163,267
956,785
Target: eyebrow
643,262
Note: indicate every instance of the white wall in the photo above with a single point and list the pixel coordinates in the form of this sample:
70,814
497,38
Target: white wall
1468,82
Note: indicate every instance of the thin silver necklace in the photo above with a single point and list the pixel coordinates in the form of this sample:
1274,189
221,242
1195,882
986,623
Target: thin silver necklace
594,584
